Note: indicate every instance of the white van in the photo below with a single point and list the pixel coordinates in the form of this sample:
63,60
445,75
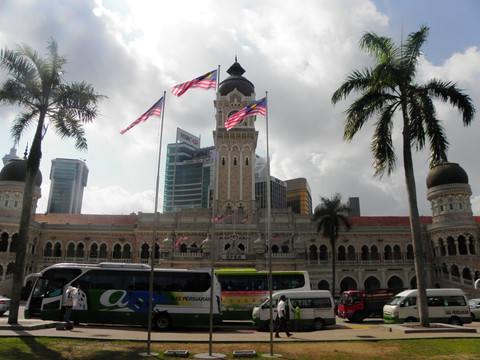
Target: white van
316,309
444,306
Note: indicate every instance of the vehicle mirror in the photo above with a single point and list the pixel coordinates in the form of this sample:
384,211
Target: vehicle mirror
402,305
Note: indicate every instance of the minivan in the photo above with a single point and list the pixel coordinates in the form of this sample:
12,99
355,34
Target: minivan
317,309
444,306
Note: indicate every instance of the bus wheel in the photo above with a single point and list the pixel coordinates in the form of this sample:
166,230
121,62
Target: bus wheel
162,321
455,321
319,324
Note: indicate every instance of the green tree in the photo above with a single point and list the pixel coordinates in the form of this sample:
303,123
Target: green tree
35,84
329,216
389,88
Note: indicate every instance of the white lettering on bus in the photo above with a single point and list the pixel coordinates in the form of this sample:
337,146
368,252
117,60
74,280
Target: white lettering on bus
105,298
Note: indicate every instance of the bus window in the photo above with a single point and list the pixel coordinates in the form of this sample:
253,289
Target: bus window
137,280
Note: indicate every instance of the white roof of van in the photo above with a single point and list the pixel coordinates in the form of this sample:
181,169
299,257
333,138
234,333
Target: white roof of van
292,294
433,292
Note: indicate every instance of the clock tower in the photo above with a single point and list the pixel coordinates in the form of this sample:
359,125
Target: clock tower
235,165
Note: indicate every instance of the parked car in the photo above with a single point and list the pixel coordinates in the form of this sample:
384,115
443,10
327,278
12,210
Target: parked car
4,304
474,305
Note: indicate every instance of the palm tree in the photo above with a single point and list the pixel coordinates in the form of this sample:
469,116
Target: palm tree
329,216
36,85
386,89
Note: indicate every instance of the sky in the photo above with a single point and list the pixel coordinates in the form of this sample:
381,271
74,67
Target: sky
297,51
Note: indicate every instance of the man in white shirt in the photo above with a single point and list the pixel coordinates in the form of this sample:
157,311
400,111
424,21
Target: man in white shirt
282,317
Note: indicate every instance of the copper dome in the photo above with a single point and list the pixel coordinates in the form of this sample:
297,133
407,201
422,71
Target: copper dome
446,173
16,170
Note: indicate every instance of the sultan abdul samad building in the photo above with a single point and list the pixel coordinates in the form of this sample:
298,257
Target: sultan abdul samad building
376,253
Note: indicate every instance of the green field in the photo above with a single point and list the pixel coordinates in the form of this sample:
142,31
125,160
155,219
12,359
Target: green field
19,348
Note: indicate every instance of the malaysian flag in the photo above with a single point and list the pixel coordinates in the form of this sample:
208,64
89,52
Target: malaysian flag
257,107
155,110
245,219
206,81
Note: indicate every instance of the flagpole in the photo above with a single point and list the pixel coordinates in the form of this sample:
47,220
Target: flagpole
214,211
154,236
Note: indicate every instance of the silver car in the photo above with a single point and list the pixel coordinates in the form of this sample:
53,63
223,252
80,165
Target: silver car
4,304
474,305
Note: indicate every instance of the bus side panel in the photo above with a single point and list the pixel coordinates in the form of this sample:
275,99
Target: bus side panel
238,305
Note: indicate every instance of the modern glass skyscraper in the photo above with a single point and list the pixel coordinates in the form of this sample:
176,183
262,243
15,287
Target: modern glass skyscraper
188,177
68,178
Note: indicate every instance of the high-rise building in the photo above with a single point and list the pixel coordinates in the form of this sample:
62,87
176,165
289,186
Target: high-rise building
68,178
188,174
278,193
12,155
299,197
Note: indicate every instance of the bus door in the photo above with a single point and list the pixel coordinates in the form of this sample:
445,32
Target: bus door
46,295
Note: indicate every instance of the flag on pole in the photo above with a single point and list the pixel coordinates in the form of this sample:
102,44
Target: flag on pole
245,219
257,107
219,219
155,110
206,81
230,215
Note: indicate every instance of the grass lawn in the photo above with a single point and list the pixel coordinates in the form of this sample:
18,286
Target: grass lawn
20,348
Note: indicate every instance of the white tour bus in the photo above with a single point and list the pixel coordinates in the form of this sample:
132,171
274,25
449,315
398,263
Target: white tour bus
317,309
114,293
444,306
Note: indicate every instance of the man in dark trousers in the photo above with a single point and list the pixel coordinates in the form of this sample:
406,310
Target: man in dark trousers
282,317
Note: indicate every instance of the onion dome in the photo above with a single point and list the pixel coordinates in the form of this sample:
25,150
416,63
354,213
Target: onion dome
16,170
236,81
446,173
167,244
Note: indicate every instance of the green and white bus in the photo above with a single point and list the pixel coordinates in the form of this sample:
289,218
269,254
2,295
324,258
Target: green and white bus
243,289
113,293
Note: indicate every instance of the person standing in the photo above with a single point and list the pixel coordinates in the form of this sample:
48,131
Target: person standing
297,316
282,317
72,299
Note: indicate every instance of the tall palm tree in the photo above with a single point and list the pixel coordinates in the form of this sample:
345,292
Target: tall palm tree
35,84
329,216
390,87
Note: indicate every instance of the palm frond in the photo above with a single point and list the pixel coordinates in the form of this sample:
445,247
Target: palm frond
447,91
382,48
411,50
22,123
356,81
382,144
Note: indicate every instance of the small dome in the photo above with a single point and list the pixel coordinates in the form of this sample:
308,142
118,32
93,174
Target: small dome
16,170
446,173
167,243
236,81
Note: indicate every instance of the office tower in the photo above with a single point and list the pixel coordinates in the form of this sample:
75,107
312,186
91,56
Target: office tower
299,197
68,178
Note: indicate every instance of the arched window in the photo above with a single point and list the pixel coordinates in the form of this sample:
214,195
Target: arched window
323,285
145,252
10,268
14,243
388,253
117,251
454,270
312,253
235,161
93,253
397,252
341,254
441,244
471,245
372,283
351,253
47,252
374,253
275,249
246,161
451,246
223,161
57,250
103,251
71,250
4,242
126,251
80,250
323,253
467,274
409,252
365,252
395,283
462,246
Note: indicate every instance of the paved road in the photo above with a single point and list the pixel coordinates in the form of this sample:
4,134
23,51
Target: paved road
230,332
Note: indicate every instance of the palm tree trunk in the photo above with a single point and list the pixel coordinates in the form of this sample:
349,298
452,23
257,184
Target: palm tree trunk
415,226
332,242
33,164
